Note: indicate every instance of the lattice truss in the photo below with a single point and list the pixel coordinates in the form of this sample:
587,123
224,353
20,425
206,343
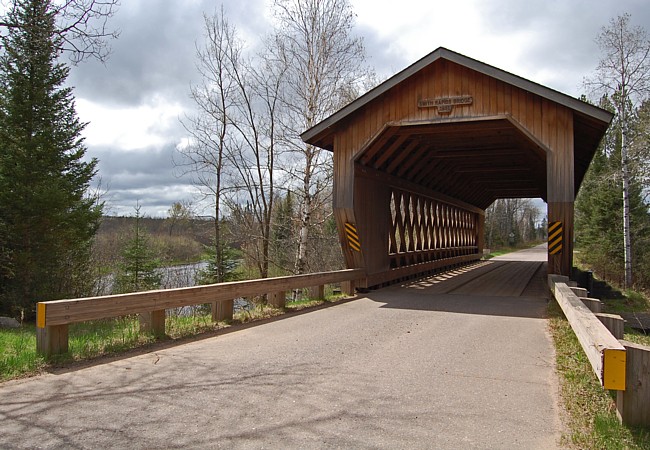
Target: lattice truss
424,229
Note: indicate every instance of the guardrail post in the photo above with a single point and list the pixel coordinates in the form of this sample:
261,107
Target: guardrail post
614,323
347,287
222,310
594,305
277,299
632,404
153,322
52,340
317,292
580,292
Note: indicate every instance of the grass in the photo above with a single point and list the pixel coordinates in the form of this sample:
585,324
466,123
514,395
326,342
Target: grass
88,340
18,353
632,301
590,420
638,337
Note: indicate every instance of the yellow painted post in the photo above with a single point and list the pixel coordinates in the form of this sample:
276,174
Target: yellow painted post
50,340
632,404
40,314
614,369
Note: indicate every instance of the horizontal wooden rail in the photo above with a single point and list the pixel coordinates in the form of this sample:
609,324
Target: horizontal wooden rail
605,353
53,317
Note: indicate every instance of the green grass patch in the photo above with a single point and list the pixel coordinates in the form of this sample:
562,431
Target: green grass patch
636,336
18,353
590,420
306,302
632,301
499,252
89,340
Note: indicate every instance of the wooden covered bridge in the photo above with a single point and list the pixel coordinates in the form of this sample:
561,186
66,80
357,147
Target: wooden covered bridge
418,159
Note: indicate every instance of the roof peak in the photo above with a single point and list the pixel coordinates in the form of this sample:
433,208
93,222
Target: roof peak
473,64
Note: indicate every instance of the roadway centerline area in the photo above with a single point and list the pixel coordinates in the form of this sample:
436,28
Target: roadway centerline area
397,368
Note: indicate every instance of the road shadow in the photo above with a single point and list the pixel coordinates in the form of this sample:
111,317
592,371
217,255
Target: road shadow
530,307
63,367
445,293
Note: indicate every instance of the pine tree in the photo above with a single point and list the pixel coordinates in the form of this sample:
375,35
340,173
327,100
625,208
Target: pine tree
220,269
49,219
138,271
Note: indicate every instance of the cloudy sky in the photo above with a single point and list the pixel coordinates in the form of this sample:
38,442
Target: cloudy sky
134,102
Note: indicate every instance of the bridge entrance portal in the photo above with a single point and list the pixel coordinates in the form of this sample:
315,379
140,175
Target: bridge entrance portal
418,159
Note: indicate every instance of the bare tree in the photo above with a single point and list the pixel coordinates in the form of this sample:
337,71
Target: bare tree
624,74
180,216
510,221
254,153
205,154
322,63
82,26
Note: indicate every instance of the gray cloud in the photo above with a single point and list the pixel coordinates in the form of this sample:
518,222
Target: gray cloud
563,46
145,176
155,53
383,54
155,58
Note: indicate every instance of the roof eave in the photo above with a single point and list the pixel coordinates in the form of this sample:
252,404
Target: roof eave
442,53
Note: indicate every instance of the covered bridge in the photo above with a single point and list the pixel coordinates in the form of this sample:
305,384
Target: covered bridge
419,158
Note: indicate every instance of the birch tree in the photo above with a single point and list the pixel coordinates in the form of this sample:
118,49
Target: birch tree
623,73
322,62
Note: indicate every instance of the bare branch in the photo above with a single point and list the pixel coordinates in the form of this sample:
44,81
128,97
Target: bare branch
82,26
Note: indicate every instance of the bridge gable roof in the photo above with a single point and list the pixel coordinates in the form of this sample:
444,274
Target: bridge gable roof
322,134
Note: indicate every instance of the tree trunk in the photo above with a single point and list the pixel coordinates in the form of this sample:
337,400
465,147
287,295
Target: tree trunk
305,216
626,212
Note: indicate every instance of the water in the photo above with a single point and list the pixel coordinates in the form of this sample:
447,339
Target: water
173,277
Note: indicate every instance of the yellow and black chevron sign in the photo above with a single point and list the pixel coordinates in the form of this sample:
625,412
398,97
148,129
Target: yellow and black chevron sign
353,237
555,238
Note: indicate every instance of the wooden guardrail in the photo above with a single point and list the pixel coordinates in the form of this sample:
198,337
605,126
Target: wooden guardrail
605,354
618,364
53,317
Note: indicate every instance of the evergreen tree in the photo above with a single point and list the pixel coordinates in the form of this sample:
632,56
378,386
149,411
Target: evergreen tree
220,269
49,220
138,270
283,235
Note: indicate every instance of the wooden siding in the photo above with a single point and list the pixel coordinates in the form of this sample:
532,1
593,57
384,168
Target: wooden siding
507,142
550,124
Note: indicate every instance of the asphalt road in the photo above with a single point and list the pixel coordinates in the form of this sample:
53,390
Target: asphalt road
402,367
